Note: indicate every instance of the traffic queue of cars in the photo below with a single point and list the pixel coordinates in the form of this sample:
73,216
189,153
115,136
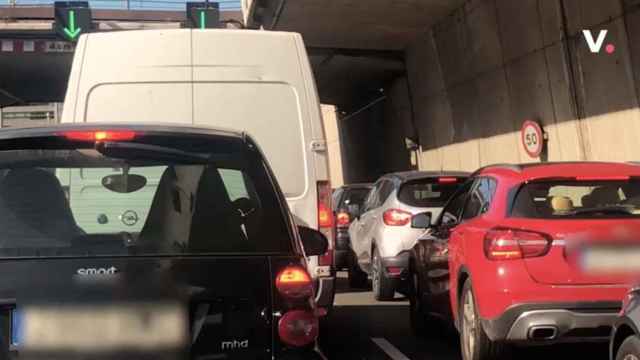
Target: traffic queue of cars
504,261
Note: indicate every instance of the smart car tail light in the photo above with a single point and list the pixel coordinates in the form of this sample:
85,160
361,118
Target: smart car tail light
395,217
294,283
510,244
342,219
100,135
298,328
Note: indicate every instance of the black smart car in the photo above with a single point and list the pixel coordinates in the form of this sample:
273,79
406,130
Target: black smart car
149,242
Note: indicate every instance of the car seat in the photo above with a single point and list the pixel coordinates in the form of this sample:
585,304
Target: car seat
35,210
169,220
601,196
216,225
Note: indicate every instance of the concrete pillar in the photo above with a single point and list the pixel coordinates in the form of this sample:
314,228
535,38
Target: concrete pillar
330,121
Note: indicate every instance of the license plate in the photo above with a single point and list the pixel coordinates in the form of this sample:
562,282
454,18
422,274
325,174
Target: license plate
611,260
98,329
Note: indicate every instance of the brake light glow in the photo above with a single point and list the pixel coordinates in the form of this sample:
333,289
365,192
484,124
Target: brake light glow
293,283
447,180
325,221
100,135
298,328
343,219
510,244
395,217
324,216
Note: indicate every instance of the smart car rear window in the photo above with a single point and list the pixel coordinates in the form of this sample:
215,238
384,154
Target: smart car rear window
166,196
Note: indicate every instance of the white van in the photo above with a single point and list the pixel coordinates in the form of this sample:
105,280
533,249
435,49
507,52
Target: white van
255,81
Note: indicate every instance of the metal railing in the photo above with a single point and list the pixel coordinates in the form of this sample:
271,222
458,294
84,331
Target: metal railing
225,5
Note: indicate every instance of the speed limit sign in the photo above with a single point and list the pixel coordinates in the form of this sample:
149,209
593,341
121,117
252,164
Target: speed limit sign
532,138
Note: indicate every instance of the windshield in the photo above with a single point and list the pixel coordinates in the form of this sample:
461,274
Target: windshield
578,199
82,202
427,192
354,196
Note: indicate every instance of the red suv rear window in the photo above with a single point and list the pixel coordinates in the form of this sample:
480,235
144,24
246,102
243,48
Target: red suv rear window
561,199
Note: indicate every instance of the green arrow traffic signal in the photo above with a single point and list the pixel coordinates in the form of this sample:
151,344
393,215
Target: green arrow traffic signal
72,31
202,19
72,19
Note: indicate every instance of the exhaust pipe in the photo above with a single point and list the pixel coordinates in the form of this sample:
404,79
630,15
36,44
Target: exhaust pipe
543,332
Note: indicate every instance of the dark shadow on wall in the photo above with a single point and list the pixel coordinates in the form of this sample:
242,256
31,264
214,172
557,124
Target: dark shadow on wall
23,75
494,63
372,143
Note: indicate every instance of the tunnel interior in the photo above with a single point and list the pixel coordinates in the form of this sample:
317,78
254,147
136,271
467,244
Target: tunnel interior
456,77
468,75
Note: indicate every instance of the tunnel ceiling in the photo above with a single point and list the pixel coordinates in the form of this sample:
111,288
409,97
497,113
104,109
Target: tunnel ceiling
367,39
357,24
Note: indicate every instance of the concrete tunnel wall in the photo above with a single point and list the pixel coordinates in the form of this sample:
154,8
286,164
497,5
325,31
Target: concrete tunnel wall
372,140
478,74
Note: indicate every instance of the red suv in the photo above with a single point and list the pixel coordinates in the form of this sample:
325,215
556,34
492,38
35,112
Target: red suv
508,234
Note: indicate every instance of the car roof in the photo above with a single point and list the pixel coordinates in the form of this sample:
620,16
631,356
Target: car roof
532,171
357,186
12,133
415,174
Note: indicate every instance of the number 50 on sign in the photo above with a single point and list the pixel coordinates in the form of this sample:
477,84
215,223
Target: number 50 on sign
532,138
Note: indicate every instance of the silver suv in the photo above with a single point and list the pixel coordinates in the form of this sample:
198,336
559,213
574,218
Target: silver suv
381,234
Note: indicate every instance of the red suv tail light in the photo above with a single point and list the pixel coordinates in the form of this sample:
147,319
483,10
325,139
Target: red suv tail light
298,328
342,219
294,283
509,244
325,221
395,217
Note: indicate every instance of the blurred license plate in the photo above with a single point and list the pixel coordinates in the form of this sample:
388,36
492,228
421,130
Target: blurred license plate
622,259
130,327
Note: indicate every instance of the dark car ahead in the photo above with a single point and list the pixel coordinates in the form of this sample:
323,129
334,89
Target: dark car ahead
625,337
347,203
149,242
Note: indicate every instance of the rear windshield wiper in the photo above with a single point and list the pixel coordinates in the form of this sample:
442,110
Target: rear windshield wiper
609,210
137,151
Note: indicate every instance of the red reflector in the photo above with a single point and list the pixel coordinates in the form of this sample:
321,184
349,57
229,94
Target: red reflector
100,135
395,217
343,219
326,259
596,178
298,328
444,180
509,244
393,270
293,282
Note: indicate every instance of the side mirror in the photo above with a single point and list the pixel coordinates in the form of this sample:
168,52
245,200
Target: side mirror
421,220
313,241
